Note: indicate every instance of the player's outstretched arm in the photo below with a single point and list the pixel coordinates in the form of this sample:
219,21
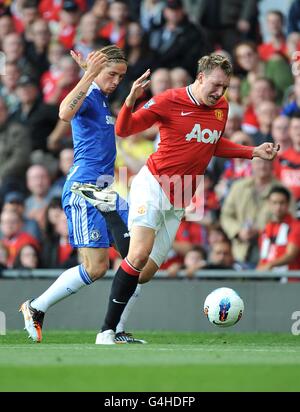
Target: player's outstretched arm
266,151
129,123
73,101
226,148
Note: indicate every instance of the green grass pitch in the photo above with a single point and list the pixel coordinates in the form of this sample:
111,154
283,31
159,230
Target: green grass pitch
171,361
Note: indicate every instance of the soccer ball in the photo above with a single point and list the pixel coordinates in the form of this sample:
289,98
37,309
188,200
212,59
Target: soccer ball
223,307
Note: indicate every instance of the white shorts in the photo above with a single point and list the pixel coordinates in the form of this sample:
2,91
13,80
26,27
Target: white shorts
150,207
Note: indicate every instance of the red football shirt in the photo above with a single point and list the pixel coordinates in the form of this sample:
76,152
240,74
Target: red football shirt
15,244
287,169
190,134
267,50
275,238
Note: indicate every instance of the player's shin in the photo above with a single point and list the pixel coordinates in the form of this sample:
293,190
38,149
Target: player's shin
68,283
128,308
123,287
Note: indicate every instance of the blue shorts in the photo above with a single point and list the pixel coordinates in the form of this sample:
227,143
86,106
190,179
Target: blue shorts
87,226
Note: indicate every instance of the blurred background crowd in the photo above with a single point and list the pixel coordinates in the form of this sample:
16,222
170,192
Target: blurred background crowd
243,226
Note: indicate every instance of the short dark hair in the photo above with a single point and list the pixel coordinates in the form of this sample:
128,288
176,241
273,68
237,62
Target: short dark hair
277,13
199,249
295,115
208,63
281,190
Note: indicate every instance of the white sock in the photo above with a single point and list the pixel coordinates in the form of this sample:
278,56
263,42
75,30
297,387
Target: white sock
68,283
128,309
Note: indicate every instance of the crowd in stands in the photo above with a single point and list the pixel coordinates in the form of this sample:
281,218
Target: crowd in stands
250,210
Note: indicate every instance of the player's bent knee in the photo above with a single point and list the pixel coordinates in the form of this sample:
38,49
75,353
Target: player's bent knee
96,271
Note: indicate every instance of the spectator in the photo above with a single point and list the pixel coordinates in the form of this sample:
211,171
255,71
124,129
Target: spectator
40,118
50,10
52,216
194,260
37,49
65,29
215,234
15,201
262,90
180,77
277,42
65,81
287,164
13,237
139,57
293,46
234,96
293,107
280,132
27,258
221,257
6,26
266,112
49,78
57,252
245,211
280,239
15,147
276,69
13,47
8,86
66,158
294,17
178,42
115,30
38,183
100,10
229,22
151,14
24,20
88,38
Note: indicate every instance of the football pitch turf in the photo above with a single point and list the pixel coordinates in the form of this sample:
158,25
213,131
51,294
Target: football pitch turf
171,361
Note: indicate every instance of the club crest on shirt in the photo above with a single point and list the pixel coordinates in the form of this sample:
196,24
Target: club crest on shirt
95,235
149,103
219,114
141,210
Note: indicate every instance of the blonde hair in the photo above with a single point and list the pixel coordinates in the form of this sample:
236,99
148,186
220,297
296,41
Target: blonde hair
208,63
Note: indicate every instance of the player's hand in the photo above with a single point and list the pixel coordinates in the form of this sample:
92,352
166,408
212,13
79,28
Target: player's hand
93,64
137,88
79,59
266,151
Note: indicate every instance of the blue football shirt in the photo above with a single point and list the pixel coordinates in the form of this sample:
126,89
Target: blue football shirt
94,139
